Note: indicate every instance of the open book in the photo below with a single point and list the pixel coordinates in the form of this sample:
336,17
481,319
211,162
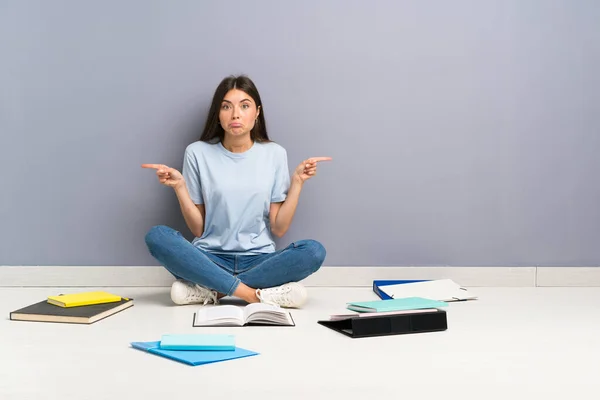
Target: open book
252,314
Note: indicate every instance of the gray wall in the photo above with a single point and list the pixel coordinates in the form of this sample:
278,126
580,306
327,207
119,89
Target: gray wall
462,132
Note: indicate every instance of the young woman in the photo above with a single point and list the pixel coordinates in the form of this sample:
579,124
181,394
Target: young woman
235,193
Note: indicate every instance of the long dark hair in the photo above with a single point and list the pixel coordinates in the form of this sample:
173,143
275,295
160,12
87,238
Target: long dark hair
213,129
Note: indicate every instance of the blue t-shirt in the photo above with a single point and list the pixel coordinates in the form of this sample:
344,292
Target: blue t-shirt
237,190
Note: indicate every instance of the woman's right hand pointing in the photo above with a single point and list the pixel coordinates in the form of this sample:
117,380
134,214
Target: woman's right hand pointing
166,175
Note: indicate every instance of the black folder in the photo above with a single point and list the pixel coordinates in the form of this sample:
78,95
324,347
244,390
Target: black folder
383,325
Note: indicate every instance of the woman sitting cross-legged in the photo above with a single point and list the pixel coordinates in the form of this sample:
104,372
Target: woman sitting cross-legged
236,193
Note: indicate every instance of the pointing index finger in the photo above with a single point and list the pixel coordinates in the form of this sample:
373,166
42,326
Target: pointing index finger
155,166
317,159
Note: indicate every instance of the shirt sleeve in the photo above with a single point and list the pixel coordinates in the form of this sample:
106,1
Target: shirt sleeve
191,174
282,178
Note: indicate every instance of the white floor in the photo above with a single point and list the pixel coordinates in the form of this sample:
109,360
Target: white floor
517,342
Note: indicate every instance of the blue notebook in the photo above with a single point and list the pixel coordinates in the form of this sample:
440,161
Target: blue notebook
199,341
407,303
192,357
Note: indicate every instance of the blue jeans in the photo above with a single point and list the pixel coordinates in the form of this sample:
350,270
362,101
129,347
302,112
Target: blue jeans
224,272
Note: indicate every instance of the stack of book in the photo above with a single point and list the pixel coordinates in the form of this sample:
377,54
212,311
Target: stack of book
75,308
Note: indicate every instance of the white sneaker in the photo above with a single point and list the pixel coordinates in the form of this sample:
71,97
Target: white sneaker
183,292
292,295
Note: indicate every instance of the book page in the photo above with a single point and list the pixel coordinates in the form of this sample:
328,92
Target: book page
222,315
267,313
257,307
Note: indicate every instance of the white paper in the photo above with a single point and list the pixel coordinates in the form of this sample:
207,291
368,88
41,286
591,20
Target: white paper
442,290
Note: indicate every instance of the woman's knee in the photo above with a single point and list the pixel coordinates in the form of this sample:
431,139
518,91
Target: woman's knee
315,250
155,236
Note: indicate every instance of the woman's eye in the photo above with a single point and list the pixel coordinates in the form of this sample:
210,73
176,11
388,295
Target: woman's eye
245,106
225,107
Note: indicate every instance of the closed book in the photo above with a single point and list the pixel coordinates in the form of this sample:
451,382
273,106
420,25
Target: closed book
46,312
207,342
83,299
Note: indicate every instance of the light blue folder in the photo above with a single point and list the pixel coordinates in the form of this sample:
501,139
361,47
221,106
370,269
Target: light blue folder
407,303
192,357
217,342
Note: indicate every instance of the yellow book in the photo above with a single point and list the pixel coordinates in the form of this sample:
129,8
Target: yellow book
83,299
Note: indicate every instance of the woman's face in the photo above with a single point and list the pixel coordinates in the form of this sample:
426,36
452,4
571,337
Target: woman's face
238,113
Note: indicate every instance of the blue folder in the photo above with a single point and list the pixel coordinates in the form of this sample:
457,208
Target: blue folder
198,341
192,357
377,284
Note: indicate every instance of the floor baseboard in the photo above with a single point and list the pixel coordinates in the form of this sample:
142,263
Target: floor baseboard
355,276
568,276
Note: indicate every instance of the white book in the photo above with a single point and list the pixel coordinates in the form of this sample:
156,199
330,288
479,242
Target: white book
441,289
252,314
